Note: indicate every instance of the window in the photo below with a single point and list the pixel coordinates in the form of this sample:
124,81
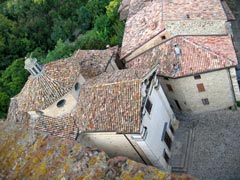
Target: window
197,76
166,78
77,86
169,87
144,136
178,105
171,128
168,140
148,106
164,131
61,103
205,101
166,157
200,87
163,37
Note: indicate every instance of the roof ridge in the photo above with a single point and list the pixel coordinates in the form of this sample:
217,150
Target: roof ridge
206,49
114,83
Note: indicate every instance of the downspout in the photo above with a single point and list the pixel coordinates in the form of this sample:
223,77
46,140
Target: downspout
234,97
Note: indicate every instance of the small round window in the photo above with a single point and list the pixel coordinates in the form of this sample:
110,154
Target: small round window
77,86
61,103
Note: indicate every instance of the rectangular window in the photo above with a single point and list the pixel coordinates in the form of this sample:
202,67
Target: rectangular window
168,140
163,37
171,128
145,133
166,78
166,157
205,101
169,87
148,106
197,76
178,105
200,87
164,131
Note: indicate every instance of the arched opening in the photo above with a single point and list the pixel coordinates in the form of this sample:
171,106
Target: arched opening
61,103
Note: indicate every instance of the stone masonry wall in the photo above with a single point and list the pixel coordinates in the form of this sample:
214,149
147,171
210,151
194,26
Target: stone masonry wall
195,27
217,86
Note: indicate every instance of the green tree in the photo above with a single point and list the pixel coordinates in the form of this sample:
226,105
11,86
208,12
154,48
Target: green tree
11,83
61,50
96,7
84,19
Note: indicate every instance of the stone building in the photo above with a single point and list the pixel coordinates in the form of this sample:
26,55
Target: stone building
119,111
197,73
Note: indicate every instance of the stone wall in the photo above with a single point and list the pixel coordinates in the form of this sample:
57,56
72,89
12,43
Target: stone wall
218,91
197,27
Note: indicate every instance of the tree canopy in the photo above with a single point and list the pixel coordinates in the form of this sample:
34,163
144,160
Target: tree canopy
50,30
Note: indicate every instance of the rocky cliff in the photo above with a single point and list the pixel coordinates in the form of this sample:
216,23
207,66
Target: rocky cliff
27,154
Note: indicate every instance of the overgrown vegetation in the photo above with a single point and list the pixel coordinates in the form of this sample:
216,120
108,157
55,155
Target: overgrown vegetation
50,30
233,6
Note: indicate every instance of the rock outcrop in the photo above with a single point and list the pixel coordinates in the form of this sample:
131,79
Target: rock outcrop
28,154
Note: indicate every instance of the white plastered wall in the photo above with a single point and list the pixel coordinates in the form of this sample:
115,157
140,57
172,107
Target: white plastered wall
111,143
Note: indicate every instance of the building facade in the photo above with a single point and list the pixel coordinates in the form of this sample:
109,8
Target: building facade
197,73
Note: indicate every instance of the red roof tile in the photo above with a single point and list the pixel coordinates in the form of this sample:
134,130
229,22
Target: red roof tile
94,62
108,102
141,27
146,18
57,79
111,102
196,9
198,54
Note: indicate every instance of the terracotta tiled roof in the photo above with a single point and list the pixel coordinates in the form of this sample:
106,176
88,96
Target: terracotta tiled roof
108,102
111,102
141,27
61,126
56,80
146,18
198,54
196,9
94,62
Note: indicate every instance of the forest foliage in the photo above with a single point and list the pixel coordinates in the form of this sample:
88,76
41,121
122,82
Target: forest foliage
50,30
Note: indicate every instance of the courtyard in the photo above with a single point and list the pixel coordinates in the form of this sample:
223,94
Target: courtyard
207,145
